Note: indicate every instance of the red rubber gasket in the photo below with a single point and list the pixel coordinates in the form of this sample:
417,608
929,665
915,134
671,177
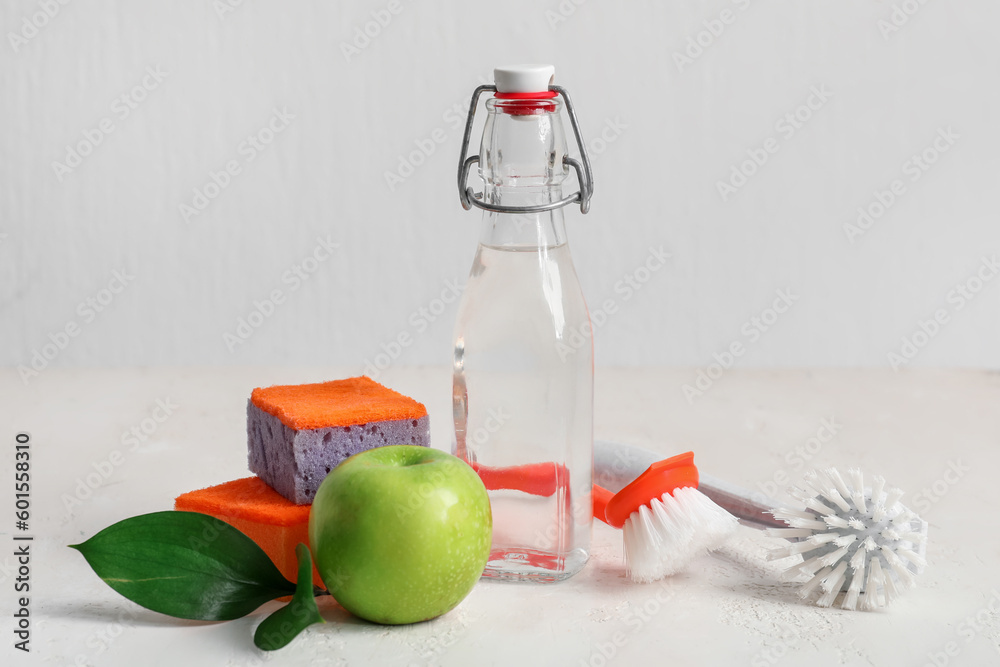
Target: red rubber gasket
530,101
542,95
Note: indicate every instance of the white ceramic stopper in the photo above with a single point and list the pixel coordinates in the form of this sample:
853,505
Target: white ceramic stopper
524,78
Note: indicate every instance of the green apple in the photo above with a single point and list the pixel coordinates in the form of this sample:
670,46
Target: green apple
401,534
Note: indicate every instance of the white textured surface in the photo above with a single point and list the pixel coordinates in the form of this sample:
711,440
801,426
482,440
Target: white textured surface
662,136
726,610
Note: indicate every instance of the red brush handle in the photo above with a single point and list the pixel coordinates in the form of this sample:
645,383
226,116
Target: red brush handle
538,479
542,479
601,499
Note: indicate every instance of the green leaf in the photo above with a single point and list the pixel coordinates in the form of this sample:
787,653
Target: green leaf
285,624
185,564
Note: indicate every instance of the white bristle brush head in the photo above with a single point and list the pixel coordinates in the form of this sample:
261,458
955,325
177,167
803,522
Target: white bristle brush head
856,540
663,536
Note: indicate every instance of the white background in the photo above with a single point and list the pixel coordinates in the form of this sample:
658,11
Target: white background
674,130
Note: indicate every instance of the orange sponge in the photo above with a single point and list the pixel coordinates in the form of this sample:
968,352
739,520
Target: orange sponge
358,400
277,525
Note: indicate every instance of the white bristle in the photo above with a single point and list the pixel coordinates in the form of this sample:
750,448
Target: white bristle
823,538
858,492
809,567
844,540
875,581
870,588
791,550
892,497
831,585
785,514
835,579
851,599
916,559
897,565
806,523
792,574
865,544
787,533
838,482
891,590
833,495
815,505
799,519
858,561
889,533
827,598
803,546
810,586
878,484
662,537
823,480
713,525
644,537
834,556
779,553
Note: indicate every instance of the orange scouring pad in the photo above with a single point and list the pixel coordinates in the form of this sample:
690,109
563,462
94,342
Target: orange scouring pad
277,525
296,434
349,402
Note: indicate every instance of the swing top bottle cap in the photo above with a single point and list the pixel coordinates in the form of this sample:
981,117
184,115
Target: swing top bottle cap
524,78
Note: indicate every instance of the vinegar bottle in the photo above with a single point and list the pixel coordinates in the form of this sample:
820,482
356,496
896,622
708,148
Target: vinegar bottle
523,381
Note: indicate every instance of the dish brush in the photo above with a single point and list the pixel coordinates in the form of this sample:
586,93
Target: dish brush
853,539
665,519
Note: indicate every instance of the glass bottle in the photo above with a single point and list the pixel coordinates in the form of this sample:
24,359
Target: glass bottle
523,354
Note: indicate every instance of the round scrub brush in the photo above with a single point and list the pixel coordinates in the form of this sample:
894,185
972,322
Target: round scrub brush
857,539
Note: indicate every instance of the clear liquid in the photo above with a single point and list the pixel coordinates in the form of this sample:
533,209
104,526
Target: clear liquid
523,394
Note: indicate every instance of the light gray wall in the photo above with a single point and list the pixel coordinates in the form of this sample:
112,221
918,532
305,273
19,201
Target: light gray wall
672,131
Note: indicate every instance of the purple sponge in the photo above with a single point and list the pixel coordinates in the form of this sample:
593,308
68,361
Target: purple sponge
297,434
